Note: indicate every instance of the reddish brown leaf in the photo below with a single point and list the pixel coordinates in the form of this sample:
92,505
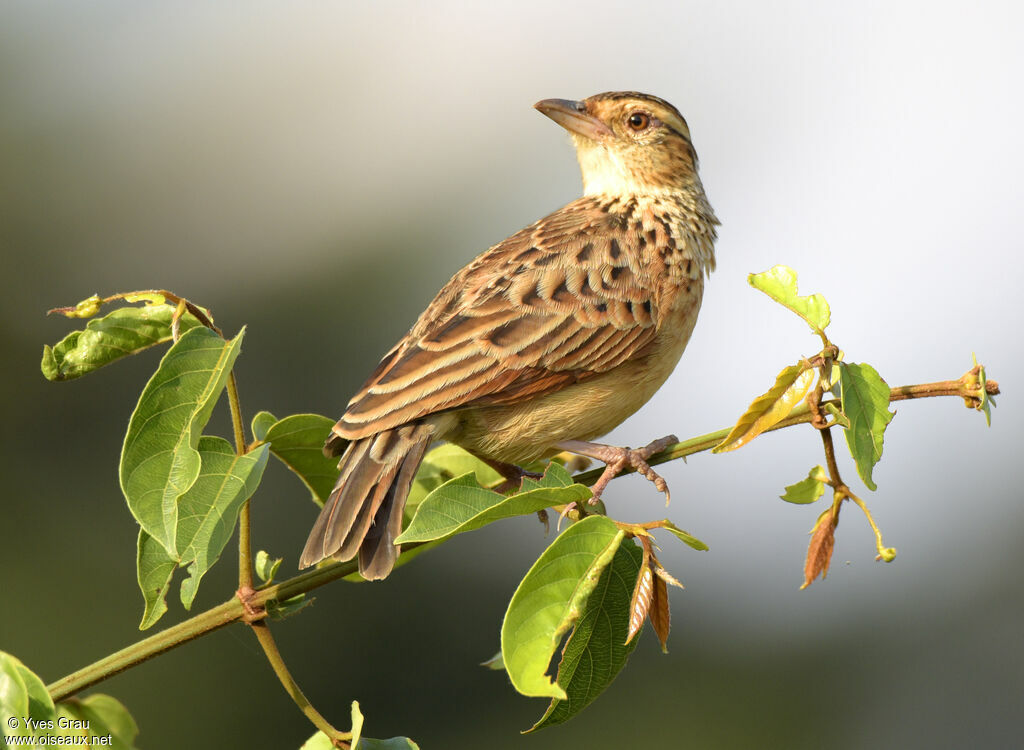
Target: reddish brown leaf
666,576
661,618
640,603
819,551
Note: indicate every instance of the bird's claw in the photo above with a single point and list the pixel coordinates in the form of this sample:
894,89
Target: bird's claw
562,515
617,459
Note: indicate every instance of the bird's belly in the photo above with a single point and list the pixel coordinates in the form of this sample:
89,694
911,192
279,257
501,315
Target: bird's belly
523,432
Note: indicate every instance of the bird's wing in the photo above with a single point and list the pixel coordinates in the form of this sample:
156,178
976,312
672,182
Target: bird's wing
564,299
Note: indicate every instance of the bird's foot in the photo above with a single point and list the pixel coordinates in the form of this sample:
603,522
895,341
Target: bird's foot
616,459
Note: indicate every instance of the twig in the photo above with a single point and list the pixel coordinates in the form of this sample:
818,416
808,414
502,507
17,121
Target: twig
269,646
800,415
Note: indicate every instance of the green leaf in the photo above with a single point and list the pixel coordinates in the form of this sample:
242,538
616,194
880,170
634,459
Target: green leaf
98,716
496,663
985,401
551,599
160,460
452,461
779,283
261,423
807,490
596,651
112,714
461,505
836,413
395,743
298,441
206,519
865,402
123,332
208,512
768,409
320,741
357,724
266,566
154,568
26,711
280,610
445,462
684,536
23,697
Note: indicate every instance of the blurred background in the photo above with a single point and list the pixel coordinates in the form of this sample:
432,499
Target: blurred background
316,171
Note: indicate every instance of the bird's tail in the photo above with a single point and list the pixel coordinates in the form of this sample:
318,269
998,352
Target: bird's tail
364,512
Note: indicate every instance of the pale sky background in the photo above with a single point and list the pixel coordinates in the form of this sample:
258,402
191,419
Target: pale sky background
318,170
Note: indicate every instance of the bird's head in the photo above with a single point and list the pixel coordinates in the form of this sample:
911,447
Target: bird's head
627,143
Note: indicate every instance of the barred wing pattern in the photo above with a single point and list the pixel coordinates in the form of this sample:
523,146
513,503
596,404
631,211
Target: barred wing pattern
562,300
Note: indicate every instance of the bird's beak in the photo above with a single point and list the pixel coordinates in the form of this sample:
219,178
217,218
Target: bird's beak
573,117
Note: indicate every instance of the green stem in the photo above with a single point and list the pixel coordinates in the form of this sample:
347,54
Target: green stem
213,619
830,459
888,554
207,622
236,414
233,609
799,415
245,579
802,414
266,640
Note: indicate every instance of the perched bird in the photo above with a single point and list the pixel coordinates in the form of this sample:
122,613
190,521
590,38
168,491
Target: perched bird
545,341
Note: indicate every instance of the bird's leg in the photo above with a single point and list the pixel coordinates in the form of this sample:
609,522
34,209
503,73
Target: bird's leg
514,480
513,474
616,459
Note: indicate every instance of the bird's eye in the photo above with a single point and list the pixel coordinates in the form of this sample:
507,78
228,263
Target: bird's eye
638,121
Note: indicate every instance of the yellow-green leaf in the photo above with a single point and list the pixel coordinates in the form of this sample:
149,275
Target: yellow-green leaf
321,741
684,536
767,410
779,283
121,333
807,490
985,401
266,566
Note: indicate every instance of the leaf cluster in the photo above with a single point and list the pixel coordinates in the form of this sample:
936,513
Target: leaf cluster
575,617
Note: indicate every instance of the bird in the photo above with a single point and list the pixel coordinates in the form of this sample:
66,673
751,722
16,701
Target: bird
545,341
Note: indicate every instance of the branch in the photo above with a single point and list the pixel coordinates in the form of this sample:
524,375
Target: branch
234,610
802,415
